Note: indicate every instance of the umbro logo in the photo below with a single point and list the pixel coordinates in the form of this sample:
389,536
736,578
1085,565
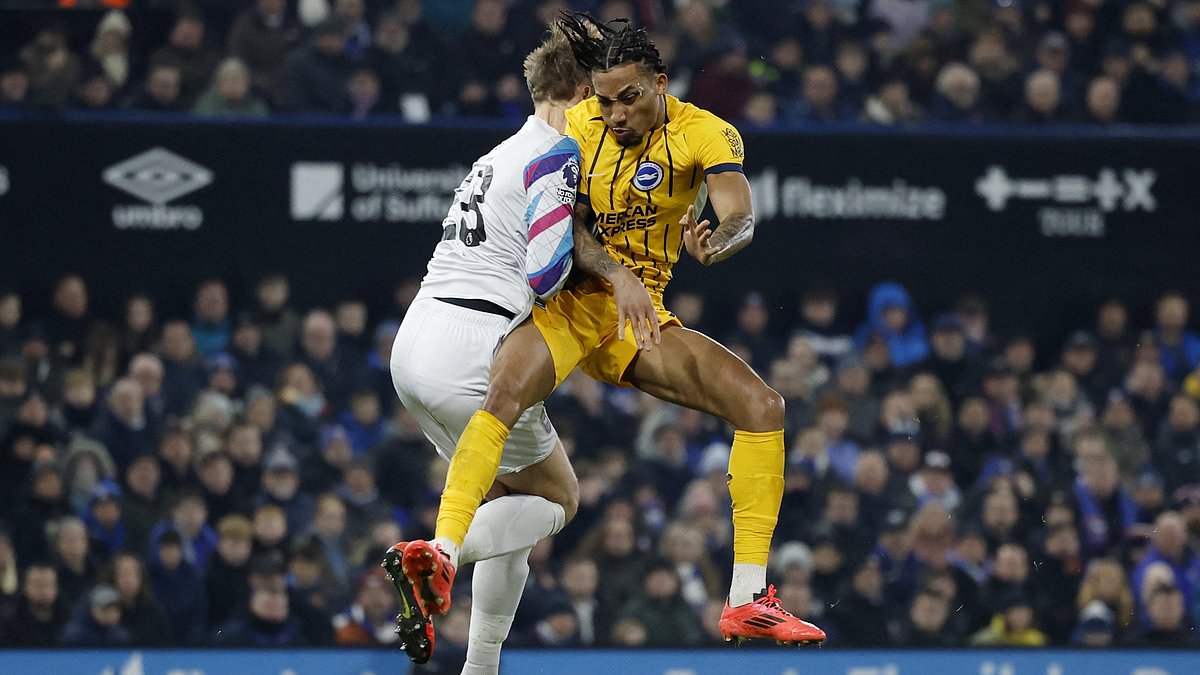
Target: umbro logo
157,176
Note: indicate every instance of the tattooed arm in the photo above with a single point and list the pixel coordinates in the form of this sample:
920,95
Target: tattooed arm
590,256
729,193
633,302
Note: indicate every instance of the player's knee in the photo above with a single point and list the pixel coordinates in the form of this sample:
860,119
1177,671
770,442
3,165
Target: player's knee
766,410
570,500
503,403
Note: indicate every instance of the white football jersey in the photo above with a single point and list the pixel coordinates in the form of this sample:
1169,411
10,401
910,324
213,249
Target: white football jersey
507,237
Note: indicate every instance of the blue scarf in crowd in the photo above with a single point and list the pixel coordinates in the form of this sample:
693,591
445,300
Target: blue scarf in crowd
1095,524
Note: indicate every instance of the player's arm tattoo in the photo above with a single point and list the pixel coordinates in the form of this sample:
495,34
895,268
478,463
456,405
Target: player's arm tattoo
735,232
590,256
729,193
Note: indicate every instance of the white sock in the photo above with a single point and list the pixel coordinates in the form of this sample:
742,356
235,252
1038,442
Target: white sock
450,548
510,523
747,580
496,589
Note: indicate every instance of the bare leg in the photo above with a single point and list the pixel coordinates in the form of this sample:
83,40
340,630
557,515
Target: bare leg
692,370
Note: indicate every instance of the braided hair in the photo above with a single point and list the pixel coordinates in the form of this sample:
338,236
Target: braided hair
601,47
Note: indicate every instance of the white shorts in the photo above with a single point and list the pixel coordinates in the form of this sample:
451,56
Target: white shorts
440,365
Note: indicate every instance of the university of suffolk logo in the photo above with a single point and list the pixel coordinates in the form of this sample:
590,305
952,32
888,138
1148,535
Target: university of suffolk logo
648,176
735,142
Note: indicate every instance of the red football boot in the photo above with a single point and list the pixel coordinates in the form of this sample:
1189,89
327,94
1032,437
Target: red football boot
412,624
766,619
430,573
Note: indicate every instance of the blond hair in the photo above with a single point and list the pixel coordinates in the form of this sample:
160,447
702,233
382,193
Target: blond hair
551,71
1121,601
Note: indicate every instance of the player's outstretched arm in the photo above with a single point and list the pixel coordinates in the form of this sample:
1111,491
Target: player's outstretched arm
729,193
633,301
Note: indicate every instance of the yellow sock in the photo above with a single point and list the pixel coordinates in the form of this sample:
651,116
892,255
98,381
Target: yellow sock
472,472
756,486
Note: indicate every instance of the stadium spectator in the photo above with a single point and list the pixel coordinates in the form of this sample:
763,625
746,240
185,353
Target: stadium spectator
230,93
51,66
580,581
10,576
958,95
1177,446
214,469
661,605
188,522
40,613
141,615
270,529
1013,626
182,369
490,55
407,78
1043,103
358,31
923,625
103,519
79,406
10,318
179,586
363,94
1105,581
110,48
77,567
14,86
68,324
310,586
270,621
1178,348
1169,544
98,621
369,620
94,91
162,90
211,324
139,332
1146,387
329,531
818,101
314,77
1056,579
141,501
891,317
187,47
361,498
336,369
227,577
278,322
123,426
1096,628
261,38
281,487
1103,102
1168,625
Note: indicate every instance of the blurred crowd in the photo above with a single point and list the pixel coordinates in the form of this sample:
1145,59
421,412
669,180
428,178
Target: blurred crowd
759,62
233,477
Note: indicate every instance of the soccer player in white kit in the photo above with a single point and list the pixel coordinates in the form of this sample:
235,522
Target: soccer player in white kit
506,241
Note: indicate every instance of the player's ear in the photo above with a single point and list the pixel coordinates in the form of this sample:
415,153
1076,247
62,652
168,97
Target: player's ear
660,83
